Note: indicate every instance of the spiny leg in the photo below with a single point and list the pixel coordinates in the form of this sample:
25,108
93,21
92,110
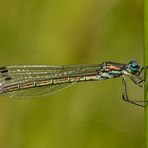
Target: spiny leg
125,95
143,80
143,68
138,78
139,74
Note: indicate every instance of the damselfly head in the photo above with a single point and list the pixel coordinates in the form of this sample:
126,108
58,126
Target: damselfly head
133,66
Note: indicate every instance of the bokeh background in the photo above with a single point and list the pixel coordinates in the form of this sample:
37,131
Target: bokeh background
62,32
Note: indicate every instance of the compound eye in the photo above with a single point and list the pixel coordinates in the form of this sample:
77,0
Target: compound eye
133,66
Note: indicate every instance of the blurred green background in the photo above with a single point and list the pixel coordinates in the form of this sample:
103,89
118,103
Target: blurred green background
62,32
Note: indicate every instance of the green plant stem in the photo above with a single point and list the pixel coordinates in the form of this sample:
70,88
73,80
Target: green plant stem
146,63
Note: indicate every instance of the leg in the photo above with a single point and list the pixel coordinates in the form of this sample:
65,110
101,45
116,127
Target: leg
144,81
125,95
139,77
142,69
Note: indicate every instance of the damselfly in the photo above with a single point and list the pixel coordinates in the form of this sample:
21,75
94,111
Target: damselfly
25,81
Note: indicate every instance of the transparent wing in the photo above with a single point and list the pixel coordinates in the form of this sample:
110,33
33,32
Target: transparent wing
25,73
14,78
38,91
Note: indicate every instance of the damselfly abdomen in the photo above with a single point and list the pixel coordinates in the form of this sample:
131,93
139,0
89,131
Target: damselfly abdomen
26,81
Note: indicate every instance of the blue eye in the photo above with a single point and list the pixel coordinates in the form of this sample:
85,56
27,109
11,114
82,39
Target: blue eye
133,66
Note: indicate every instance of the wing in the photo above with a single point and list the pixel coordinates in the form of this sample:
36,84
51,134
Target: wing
15,76
27,81
38,91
